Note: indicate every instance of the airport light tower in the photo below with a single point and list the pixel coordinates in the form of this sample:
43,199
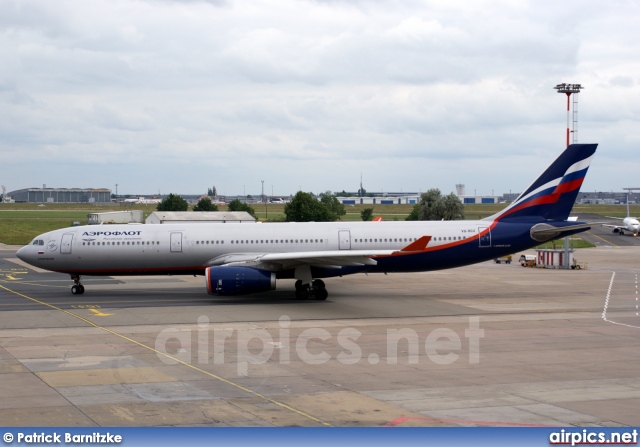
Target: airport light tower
568,89
631,191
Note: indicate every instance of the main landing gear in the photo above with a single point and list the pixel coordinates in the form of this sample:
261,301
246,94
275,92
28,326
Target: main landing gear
77,288
315,290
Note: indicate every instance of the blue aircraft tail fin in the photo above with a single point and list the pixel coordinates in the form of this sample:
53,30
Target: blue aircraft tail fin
552,195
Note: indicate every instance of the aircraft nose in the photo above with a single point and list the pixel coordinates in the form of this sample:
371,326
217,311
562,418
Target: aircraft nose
21,253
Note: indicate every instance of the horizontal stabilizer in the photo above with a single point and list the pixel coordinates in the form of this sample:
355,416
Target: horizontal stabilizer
543,232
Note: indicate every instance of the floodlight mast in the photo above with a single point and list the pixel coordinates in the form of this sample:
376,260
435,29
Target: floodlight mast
568,89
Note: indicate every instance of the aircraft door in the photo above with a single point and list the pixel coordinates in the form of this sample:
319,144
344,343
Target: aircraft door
485,237
344,237
65,247
176,242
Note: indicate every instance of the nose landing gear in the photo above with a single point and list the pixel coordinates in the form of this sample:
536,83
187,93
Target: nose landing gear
77,288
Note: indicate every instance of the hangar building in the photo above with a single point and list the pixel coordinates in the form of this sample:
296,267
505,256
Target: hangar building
62,195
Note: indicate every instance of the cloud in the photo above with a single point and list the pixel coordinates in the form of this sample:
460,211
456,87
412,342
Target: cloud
311,93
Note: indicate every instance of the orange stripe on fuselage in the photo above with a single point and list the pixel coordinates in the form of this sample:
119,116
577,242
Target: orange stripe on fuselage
440,247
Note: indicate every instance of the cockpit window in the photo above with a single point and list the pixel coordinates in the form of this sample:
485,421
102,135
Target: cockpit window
38,242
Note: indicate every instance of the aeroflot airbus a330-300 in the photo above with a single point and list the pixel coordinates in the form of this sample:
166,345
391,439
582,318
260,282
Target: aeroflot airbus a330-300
249,258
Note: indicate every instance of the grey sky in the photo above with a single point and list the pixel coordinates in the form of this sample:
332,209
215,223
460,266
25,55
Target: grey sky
178,96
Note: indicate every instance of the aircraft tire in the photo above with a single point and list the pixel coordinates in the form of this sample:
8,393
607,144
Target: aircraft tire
302,293
75,290
321,294
318,283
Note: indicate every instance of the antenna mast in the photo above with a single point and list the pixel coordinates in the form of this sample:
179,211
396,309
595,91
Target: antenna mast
568,89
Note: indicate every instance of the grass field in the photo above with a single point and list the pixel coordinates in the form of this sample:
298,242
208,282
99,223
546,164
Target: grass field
574,242
21,222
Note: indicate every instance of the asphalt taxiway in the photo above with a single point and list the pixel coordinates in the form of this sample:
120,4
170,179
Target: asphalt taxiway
488,344
604,237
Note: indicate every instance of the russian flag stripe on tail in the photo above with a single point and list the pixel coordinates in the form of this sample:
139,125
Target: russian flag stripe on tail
569,186
553,194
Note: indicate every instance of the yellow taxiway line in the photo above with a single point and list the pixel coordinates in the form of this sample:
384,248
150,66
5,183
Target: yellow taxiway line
142,345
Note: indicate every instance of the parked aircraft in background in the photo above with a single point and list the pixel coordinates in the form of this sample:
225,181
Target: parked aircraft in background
630,225
242,259
142,200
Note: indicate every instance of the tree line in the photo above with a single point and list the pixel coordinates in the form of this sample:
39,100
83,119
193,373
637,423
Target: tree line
305,207
174,202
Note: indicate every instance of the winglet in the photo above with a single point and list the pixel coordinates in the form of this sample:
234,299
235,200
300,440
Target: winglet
418,245
377,219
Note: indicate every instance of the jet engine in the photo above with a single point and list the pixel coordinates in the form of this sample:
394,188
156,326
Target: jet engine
616,230
224,281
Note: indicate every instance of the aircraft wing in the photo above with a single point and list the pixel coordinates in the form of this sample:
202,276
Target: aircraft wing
611,217
612,226
326,259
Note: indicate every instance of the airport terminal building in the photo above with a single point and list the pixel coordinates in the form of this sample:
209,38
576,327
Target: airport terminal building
61,195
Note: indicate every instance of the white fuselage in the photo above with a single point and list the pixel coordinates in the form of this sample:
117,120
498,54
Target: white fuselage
109,249
631,225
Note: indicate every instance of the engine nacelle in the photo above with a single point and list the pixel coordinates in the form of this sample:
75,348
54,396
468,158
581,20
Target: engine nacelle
616,230
224,281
